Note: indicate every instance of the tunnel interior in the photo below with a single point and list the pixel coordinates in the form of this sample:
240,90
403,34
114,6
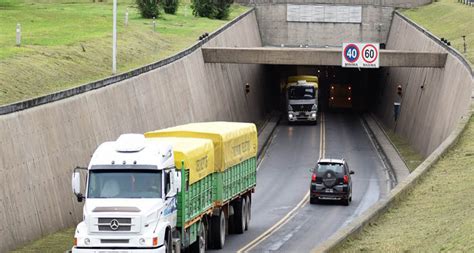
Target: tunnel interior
348,90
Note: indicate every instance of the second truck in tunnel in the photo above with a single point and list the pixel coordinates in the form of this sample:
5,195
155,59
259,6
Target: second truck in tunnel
179,187
302,98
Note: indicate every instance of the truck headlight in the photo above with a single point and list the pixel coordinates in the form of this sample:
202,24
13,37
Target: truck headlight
290,115
290,108
313,115
87,241
314,108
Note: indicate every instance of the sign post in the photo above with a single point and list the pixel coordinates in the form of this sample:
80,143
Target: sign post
360,55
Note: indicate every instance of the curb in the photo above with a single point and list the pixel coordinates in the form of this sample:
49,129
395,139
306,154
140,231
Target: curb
273,123
391,172
398,193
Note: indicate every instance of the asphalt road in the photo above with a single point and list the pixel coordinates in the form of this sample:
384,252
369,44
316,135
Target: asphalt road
283,182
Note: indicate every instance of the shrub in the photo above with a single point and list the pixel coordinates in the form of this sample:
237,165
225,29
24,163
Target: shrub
170,6
223,8
211,8
149,8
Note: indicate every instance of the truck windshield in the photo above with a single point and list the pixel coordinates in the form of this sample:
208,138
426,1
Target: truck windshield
301,92
122,183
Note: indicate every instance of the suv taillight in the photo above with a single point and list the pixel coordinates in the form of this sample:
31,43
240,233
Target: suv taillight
346,179
313,178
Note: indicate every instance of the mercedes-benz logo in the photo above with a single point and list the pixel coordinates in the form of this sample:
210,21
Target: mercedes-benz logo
114,224
329,175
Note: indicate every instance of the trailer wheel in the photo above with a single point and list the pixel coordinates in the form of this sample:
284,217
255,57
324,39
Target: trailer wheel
199,246
248,213
240,213
218,230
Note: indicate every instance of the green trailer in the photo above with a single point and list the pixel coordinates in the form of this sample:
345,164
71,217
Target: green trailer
215,195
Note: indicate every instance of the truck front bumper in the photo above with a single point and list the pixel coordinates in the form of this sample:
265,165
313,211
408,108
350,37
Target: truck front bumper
118,250
302,116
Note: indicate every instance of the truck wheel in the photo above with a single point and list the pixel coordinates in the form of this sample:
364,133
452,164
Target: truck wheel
199,246
239,216
217,235
249,211
167,243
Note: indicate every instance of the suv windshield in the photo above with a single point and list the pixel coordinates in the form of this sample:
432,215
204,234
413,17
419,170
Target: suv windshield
336,167
124,183
301,92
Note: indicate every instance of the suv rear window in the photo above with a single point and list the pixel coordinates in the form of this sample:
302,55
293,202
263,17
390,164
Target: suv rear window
336,167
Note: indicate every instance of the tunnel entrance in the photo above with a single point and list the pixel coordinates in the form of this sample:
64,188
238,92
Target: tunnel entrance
340,89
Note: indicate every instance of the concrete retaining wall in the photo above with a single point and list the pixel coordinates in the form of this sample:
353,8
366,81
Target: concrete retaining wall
392,3
374,27
434,99
42,144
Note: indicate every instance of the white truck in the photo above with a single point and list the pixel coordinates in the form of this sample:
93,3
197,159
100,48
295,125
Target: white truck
302,98
164,193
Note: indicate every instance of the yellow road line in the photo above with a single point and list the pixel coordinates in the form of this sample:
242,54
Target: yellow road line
275,227
292,213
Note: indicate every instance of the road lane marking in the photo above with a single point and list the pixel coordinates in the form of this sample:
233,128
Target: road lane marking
276,226
292,213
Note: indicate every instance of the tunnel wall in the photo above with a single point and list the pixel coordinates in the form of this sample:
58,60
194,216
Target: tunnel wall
434,99
41,145
374,26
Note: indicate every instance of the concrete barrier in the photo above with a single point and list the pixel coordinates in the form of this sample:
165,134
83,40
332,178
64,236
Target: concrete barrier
434,99
43,139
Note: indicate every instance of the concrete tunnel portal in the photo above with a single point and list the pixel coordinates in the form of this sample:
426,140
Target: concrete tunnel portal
325,63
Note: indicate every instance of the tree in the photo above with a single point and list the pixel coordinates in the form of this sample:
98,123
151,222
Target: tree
149,8
211,8
170,6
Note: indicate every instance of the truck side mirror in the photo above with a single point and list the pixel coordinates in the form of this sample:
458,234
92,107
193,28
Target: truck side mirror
76,183
351,172
76,186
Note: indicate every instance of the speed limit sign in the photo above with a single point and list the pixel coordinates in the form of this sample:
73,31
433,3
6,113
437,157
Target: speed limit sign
370,56
360,55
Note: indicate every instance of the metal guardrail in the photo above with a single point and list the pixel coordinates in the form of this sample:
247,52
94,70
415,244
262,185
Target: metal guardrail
26,104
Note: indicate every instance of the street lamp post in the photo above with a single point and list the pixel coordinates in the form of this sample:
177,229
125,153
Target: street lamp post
114,40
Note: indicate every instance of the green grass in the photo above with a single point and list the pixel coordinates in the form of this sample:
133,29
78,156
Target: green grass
411,158
448,19
58,242
436,216
68,43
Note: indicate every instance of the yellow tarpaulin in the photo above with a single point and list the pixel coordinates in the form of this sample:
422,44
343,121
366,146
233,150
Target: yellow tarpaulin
233,142
197,154
294,79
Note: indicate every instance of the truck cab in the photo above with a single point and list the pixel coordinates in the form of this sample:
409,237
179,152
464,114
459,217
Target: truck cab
302,98
130,197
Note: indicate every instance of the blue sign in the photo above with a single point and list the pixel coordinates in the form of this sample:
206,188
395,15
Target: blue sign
351,53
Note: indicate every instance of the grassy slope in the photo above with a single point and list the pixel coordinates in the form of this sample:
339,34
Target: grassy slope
448,19
68,44
438,215
410,156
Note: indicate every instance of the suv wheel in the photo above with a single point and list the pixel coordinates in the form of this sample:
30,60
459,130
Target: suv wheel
346,201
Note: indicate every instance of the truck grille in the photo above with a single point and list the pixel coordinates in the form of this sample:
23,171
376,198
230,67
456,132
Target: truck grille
115,224
114,241
302,108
